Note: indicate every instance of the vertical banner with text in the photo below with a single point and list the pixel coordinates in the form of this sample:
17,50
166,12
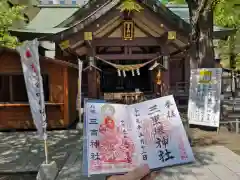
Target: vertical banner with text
34,84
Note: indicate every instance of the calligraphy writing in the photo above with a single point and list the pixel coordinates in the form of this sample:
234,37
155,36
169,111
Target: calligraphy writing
36,81
92,109
170,112
124,129
160,132
93,121
95,156
162,142
155,119
153,109
165,155
141,136
94,143
136,112
94,132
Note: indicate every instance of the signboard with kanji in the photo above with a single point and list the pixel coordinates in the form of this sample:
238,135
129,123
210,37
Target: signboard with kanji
204,97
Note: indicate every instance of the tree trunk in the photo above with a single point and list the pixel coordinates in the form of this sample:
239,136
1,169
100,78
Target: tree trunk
193,39
201,37
206,49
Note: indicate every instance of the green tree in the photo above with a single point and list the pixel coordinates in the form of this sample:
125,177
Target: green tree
9,15
202,15
201,37
227,14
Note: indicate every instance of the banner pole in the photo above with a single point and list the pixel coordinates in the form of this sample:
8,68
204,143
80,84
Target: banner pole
80,89
46,150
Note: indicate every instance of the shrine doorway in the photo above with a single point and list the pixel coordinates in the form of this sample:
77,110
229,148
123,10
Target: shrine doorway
131,81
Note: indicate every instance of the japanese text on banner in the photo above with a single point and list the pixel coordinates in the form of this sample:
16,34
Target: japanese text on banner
34,85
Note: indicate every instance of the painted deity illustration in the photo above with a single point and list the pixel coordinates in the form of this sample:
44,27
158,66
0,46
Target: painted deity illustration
114,147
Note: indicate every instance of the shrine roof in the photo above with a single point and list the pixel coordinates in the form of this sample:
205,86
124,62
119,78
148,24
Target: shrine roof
52,18
48,20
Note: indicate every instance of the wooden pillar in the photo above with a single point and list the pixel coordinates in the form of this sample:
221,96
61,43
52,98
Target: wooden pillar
187,68
91,72
66,97
92,83
11,88
99,93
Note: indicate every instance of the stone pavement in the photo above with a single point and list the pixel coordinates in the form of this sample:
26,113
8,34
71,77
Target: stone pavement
213,163
23,152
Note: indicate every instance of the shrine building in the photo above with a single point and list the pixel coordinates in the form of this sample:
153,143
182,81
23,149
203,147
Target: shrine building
129,52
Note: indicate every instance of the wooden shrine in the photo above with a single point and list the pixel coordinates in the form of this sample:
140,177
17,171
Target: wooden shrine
129,53
57,80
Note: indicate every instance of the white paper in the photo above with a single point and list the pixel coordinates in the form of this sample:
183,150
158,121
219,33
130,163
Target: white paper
121,137
34,85
205,97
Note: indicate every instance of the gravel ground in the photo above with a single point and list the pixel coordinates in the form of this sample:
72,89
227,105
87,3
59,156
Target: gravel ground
225,138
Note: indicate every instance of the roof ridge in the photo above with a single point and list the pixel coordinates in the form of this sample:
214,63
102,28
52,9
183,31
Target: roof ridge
58,6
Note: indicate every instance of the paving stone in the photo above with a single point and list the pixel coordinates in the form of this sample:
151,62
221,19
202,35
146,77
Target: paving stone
23,152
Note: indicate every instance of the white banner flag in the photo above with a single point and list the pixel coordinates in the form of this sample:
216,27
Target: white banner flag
79,95
34,85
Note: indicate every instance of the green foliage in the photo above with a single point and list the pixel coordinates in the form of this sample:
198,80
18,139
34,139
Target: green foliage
227,14
8,15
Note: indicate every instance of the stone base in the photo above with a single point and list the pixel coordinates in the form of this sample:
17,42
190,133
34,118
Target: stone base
47,171
79,126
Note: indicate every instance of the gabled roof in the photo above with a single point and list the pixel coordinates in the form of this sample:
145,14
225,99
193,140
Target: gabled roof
49,18
52,18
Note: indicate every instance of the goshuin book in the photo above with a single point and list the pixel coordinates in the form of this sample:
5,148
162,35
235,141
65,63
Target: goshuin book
119,137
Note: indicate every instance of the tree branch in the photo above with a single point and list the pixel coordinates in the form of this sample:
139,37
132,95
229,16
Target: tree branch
200,9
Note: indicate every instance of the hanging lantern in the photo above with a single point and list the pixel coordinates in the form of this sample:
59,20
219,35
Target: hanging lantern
138,72
124,73
119,72
133,74
158,78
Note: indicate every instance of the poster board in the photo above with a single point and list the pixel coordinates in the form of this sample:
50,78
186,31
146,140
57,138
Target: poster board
205,97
